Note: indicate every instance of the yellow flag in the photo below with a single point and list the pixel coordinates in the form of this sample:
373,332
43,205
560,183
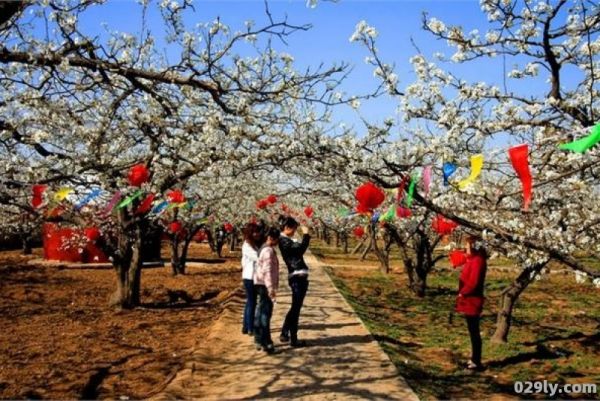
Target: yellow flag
476,165
61,194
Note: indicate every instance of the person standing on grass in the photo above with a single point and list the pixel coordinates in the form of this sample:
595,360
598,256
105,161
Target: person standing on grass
266,283
252,242
292,253
470,297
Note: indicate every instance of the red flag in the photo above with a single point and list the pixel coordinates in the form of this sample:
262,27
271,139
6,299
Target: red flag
519,158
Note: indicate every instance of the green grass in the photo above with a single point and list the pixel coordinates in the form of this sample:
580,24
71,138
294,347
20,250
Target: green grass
550,338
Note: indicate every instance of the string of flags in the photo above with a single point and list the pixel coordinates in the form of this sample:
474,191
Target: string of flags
369,196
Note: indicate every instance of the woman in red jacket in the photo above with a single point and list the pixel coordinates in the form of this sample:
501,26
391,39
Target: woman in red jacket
470,297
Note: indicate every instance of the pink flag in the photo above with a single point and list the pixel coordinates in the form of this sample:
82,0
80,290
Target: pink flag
111,205
426,179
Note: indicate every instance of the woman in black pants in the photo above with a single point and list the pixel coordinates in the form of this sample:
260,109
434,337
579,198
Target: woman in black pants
292,253
470,297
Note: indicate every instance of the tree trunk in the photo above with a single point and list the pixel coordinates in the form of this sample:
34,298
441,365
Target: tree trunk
509,299
382,255
233,240
174,254
128,269
358,246
345,242
183,258
418,269
26,245
367,248
326,236
337,239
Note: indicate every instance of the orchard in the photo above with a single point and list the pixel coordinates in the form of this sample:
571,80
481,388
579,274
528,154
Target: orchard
137,154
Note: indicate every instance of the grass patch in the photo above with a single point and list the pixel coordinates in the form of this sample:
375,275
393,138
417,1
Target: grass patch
555,334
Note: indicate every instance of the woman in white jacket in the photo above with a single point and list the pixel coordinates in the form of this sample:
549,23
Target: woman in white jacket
252,242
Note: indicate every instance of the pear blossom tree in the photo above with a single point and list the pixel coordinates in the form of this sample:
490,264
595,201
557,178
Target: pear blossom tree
447,118
80,111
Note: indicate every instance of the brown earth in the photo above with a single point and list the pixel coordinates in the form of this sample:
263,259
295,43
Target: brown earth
60,340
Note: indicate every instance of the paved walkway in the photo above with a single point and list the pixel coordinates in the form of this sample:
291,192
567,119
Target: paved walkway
342,360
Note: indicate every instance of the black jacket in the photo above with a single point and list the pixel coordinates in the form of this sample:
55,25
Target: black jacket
293,252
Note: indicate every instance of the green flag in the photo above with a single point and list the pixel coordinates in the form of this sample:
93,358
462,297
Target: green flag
411,190
585,143
130,199
389,215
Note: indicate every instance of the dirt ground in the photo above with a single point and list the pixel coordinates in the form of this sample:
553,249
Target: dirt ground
60,340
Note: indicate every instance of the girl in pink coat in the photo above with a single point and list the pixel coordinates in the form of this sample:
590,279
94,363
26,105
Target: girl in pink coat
266,282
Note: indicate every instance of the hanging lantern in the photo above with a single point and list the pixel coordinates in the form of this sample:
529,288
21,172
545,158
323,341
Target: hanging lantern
369,197
358,232
308,211
92,233
272,199
228,227
443,226
138,175
457,258
262,204
175,227
176,196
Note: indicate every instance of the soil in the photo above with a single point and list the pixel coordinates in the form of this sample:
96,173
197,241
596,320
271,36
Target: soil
60,340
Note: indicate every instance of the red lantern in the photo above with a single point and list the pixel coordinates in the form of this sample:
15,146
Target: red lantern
272,199
369,196
200,236
308,211
403,212
176,196
228,227
443,226
92,233
262,204
146,204
175,227
457,258
359,232
138,175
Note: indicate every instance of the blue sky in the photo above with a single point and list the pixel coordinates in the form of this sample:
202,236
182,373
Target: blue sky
333,23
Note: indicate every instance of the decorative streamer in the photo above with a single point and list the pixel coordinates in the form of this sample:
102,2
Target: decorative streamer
403,212
130,199
448,169
411,190
401,188
38,192
585,143
190,204
111,204
426,179
389,215
146,204
91,196
62,194
519,158
476,165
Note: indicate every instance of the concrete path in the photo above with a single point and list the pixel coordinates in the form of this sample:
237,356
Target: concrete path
342,360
